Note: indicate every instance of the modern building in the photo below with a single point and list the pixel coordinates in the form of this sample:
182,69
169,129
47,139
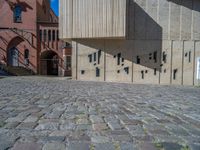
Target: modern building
29,38
139,41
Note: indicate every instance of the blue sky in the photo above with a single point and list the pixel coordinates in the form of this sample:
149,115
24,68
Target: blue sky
54,6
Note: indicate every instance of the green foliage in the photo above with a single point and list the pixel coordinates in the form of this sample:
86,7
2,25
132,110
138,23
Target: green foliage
159,146
92,147
185,148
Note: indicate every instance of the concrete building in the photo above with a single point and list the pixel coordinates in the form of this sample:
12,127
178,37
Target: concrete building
139,41
29,38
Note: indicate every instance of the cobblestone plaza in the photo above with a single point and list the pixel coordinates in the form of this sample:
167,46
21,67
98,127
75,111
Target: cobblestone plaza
59,114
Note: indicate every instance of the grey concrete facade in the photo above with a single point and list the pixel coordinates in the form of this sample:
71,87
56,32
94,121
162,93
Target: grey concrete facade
161,46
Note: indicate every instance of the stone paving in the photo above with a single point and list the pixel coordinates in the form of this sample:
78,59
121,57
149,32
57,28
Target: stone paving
38,113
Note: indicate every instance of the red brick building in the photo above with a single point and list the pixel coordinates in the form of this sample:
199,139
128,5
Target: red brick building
29,38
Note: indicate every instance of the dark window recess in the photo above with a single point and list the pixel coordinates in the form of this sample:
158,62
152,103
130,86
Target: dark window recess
118,58
57,35
142,72
118,71
17,14
126,70
155,71
45,35
26,57
66,45
155,57
95,56
54,35
122,59
138,60
40,35
95,64
122,64
49,35
164,57
114,56
146,71
186,54
189,56
90,58
175,73
68,62
82,71
26,53
97,72
150,56
165,70
99,56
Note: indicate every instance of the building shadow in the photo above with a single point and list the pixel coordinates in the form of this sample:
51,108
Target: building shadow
142,44
191,4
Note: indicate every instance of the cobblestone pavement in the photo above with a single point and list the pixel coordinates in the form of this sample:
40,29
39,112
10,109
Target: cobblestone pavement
58,114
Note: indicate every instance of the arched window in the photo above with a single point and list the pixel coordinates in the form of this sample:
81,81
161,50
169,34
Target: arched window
26,57
40,35
49,35
45,35
54,35
26,54
17,14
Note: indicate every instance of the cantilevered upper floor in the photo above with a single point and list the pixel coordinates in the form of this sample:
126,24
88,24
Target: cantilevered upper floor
130,19
92,18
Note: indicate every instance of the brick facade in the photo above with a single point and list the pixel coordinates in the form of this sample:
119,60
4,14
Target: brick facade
36,20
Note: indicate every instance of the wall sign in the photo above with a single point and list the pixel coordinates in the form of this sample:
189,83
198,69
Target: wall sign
198,68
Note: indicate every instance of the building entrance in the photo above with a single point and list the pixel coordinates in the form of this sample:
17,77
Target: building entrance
49,63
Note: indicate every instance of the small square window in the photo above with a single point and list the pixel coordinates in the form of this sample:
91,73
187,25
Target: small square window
82,72
142,72
99,56
118,58
126,70
155,56
186,54
155,71
189,56
95,56
138,60
90,58
164,57
175,73
97,72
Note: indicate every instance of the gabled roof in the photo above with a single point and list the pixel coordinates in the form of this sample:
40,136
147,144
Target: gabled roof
54,16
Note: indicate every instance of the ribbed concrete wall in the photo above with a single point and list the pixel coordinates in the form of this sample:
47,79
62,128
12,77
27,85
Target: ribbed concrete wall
92,18
162,46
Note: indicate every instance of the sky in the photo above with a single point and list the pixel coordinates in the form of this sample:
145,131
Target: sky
54,6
